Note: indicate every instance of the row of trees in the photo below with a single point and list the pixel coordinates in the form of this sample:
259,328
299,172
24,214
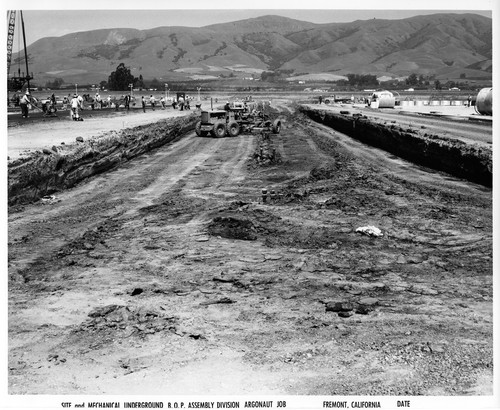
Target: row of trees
119,80
359,81
275,76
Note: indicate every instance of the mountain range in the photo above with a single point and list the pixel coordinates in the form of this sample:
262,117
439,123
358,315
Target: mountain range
445,45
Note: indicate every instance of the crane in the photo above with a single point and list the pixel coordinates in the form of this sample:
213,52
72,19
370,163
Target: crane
10,38
18,81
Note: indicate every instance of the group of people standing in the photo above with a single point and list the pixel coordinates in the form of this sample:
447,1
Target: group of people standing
181,103
76,103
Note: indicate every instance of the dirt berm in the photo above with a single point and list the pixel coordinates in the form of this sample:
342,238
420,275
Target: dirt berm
61,167
453,156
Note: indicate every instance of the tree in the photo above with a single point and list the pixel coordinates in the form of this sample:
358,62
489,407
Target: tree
139,82
155,83
412,79
268,76
103,85
54,84
121,79
362,80
437,85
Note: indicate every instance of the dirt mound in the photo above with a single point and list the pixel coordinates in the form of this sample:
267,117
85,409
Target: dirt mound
174,209
233,228
248,223
266,152
242,221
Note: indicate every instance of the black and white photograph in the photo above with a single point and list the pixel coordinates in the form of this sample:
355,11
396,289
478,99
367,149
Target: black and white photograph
260,205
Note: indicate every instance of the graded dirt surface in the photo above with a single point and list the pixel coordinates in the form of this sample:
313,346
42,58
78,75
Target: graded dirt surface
37,132
171,275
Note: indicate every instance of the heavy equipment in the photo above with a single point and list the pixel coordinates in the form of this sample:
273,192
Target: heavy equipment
16,82
235,120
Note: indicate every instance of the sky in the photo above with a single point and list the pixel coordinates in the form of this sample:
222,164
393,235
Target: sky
59,20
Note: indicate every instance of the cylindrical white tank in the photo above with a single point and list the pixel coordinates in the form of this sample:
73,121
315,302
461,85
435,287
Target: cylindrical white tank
385,99
484,101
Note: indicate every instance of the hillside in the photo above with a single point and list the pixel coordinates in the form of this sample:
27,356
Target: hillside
440,44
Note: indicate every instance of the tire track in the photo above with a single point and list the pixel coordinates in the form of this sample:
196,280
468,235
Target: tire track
42,229
198,152
231,170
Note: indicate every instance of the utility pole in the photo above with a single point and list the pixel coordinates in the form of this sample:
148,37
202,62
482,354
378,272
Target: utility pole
25,52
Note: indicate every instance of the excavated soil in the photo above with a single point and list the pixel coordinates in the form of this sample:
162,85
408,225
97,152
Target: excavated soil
45,172
463,159
176,274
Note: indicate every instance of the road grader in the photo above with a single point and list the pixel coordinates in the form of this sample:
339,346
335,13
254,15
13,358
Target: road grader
235,120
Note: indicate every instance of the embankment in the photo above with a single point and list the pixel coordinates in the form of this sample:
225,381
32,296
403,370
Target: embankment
48,171
458,158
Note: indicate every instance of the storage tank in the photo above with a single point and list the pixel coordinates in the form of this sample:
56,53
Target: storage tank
484,101
382,99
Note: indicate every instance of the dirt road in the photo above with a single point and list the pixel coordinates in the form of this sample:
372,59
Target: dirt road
171,275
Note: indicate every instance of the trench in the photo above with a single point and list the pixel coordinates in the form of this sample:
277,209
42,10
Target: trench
49,171
452,156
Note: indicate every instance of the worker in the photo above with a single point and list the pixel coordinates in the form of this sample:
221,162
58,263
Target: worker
98,100
80,102
127,101
143,102
24,102
152,101
227,107
75,104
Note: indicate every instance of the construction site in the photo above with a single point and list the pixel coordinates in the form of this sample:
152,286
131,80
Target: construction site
276,244
347,252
